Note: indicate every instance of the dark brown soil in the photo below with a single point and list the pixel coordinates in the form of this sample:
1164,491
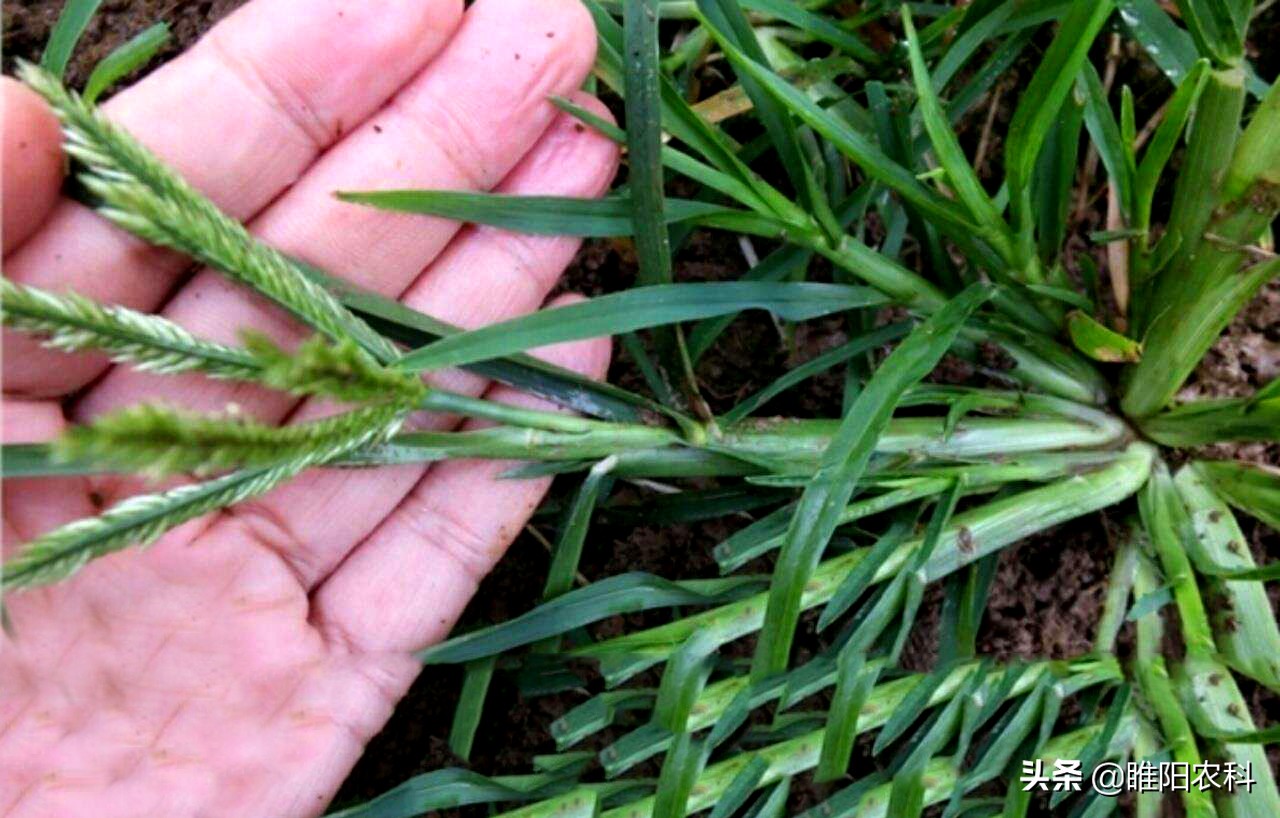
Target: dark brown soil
1046,595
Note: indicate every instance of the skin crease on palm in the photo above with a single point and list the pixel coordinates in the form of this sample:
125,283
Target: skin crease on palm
238,666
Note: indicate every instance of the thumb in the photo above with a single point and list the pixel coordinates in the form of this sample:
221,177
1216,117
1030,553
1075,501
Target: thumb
31,160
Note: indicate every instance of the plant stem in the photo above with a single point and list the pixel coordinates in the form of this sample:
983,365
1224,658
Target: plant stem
1220,211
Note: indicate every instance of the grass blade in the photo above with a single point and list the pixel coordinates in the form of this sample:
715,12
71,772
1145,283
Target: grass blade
644,141
1038,108
470,707
817,513
126,59
555,215
1164,140
726,22
960,174
624,593
444,789
557,384
1252,488
68,29
635,309
875,162
1115,153
817,26
864,343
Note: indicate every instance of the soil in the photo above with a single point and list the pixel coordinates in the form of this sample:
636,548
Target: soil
1046,595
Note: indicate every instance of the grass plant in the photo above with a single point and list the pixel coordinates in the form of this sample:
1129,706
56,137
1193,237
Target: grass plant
817,135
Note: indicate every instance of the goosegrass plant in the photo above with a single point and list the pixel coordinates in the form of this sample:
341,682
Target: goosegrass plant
815,136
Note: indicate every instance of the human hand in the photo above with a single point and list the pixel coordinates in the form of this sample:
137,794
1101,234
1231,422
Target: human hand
239,665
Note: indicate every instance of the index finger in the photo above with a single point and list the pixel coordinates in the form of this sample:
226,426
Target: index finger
240,116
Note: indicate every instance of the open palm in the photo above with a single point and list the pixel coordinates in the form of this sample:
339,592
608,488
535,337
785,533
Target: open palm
238,666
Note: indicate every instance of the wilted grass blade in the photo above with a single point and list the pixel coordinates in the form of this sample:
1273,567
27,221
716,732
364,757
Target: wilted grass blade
635,309
842,465
1100,342
72,21
126,59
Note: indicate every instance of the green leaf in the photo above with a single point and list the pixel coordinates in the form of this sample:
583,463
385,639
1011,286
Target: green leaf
1106,135
726,22
68,29
624,593
740,788
597,713
817,26
680,770
529,374
126,59
638,308
1252,488
682,681
1040,103
470,707
875,162
573,533
446,789
644,141
1149,603
819,364
1053,187
555,215
1245,627
1100,342
679,118
1169,46
818,511
772,804
912,707
951,157
857,581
